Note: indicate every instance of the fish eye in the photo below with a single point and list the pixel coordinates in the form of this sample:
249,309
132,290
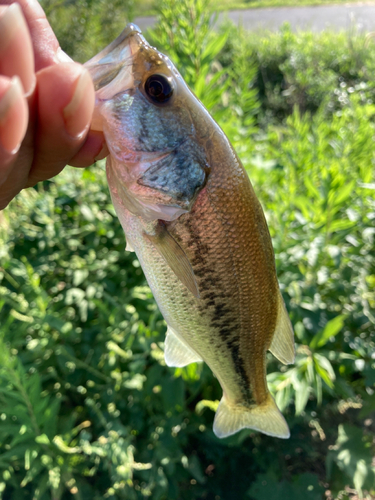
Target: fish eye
159,88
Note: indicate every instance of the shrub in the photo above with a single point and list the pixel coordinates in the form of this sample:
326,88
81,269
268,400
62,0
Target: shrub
306,69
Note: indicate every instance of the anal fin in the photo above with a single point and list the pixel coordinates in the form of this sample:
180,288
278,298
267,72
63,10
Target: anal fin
177,353
174,256
282,345
129,246
265,418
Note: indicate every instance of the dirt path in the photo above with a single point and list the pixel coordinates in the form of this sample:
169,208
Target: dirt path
318,18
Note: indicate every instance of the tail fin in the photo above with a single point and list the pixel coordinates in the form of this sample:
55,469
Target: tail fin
266,418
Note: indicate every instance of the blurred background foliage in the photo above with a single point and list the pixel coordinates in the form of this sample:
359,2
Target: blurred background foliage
88,409
84,27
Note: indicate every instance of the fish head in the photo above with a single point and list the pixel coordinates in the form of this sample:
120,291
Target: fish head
155,128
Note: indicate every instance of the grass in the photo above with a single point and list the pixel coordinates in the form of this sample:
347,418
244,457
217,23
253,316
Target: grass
148,7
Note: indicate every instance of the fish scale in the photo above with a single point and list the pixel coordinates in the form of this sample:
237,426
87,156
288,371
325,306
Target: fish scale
191,215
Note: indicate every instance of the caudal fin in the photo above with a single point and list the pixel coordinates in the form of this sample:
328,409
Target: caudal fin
265,418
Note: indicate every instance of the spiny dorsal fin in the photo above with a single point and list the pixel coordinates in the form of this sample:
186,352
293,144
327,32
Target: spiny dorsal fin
174,256
265,418
176,352
282,345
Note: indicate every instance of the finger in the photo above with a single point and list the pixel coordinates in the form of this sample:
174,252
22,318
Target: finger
66,101
45,44
16,52
13,123
93,149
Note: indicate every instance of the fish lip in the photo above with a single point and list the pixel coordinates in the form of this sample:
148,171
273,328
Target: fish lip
129,31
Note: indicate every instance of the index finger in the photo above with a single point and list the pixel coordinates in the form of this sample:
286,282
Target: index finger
46,47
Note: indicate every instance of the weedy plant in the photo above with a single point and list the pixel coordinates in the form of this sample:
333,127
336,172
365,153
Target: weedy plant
83,27
88,408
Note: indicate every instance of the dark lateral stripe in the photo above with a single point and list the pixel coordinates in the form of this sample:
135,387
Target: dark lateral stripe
240,369
224,320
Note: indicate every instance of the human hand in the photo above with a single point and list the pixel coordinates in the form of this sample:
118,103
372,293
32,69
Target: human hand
46,103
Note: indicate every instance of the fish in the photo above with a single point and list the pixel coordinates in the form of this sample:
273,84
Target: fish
190,213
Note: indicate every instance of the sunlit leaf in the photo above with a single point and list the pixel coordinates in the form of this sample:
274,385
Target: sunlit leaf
302,396
332,328
352,456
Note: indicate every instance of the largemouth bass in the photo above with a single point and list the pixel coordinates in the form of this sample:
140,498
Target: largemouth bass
191,215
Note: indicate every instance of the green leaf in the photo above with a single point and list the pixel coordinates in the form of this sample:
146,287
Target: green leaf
212,405
302,395
360,475
368,407
62,446
213,47
341,225
195,469
41,487
328,375
79,276
311,188
352,456
331,329
32,473
42,439
344,192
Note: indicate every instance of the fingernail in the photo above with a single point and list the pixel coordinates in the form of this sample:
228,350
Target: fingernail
62,57
16,47
77,114
102,153
13,117
10,22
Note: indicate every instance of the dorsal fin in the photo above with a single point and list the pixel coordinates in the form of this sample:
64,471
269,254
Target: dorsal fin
282,345
176,352
174,256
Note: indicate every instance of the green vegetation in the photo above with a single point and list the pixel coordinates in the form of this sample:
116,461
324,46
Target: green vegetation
83,27
88,409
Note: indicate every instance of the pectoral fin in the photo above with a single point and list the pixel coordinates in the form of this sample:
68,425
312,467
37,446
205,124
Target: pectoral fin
282,345
176,352
175,257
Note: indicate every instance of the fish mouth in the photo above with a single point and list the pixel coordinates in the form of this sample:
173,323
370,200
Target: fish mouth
115,50
116,58
112,68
